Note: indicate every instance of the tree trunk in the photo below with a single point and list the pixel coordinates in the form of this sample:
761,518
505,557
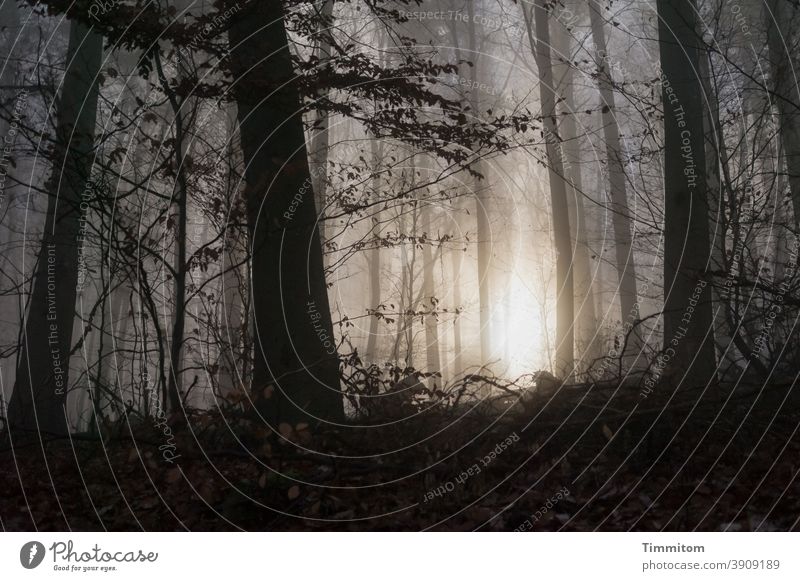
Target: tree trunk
688,319
404,300
180,200
321,134
43,373
586,338
10,306
374,263
484,233
620,213
565,307
484,243
723,266
457,256
232,308
444,341
410,276
295,352
780,27
431,321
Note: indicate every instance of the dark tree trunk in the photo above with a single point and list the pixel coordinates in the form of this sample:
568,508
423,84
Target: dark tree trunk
295,351
42,376
780,26
688,319
181,204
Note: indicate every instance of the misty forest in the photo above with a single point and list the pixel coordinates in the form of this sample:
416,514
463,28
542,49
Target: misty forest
498,265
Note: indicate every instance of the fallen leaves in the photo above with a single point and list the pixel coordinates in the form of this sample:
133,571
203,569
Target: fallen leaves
374,480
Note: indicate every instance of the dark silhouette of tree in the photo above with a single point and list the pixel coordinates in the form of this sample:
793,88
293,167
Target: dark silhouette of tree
295,368
688,319
37,402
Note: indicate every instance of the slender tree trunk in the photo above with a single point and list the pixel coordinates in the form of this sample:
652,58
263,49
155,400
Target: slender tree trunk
444,340
43,374
295,351
181,204
620,212
431,302
232,321
482,201
725,221
565,308
404,299
457,258
412,301
717,222
484,243
118,321
688,317
372,354
232,309
724,292
781,25
585,319
374,263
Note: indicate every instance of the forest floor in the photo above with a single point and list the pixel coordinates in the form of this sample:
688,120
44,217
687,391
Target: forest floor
590,458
